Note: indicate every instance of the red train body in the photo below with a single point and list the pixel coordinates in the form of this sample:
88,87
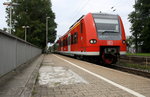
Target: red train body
95,34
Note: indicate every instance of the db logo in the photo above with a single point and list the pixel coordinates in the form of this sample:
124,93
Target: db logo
109,42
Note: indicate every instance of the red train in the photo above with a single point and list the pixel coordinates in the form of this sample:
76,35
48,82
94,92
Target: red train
95,35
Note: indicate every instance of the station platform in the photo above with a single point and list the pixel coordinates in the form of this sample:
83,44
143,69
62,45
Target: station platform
54,75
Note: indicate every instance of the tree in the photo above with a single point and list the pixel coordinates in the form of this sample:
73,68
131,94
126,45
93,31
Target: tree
129,41
33,13
4,29
140,20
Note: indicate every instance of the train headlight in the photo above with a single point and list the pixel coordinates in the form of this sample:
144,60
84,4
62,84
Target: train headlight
123,41
93,41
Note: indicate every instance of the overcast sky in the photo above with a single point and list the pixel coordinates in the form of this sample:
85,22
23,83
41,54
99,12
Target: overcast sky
68,11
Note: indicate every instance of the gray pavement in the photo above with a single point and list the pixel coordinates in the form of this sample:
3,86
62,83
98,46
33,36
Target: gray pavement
95,87
21,84
22,81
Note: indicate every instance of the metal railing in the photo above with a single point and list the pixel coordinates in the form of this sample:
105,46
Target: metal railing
14,52
136,62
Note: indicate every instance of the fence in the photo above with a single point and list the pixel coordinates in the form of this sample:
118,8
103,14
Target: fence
136,62
137,59
14,52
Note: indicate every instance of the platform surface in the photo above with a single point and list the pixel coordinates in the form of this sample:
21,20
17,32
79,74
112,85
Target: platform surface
99,81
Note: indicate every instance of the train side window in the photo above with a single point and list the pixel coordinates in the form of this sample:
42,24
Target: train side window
63,42
75,37
60,44
72,39
66,41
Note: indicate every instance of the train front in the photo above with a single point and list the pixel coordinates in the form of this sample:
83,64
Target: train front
111,37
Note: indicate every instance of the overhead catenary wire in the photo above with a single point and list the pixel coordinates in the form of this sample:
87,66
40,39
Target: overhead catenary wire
80,10
76,11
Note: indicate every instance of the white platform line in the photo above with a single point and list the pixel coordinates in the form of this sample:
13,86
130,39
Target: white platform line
105,79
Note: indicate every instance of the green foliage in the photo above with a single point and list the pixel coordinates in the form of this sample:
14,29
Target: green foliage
33,13
136,66
129,41
140,19
139,54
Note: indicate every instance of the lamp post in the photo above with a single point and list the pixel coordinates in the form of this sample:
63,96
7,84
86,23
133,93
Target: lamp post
25,34
10,4
46,32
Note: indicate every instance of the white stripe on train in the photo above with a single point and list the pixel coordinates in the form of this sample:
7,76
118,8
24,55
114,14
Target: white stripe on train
85,53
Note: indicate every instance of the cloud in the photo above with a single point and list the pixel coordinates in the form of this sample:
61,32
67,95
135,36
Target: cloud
3,23
68,11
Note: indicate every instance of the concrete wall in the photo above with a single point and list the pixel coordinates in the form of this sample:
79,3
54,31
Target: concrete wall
14,52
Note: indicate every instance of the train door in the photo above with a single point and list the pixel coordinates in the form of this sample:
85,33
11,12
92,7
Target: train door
61,44
81,38
69,42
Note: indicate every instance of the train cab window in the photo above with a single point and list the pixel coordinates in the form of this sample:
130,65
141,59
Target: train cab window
107,26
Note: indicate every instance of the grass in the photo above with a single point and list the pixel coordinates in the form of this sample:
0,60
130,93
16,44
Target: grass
139,54
136,66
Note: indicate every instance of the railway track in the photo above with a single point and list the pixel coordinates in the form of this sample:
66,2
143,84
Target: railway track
121,68
131,70
118,67
145,60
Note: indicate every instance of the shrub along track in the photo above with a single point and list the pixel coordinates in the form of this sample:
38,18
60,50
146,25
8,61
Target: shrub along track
119,66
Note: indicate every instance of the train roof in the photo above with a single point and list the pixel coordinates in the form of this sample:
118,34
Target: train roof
96,15
73,25
105,15
76,21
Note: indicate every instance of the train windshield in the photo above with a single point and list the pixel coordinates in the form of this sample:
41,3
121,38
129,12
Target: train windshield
107,26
